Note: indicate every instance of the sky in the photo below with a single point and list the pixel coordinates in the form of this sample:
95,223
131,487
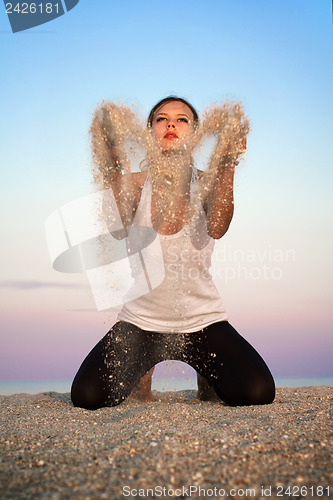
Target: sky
274,265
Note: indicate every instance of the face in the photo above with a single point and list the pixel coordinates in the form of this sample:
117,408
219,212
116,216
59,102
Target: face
172,123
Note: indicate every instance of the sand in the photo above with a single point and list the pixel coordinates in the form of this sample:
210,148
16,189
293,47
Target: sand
175,447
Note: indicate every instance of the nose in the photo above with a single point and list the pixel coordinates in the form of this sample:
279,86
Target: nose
171,124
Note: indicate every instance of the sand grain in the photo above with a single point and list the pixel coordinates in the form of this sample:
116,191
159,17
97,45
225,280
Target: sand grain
49,449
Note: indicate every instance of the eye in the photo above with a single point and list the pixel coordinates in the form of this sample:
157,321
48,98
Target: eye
160,118
185,120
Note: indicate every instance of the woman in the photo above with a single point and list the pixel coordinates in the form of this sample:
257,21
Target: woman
182,318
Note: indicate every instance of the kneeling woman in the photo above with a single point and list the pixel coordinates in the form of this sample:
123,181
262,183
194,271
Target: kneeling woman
183,317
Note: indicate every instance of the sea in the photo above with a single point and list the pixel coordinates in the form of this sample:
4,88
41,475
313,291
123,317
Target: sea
9,387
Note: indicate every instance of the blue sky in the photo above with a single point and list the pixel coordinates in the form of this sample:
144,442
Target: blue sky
276,57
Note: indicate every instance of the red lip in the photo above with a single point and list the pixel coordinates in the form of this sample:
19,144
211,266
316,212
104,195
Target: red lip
171,135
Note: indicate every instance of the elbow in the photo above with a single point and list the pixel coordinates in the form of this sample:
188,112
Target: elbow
217,235
217,231
219,226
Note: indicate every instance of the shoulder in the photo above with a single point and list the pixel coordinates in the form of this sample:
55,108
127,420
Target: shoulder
138,179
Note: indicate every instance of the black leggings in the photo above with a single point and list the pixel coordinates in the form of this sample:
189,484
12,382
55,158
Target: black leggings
227,361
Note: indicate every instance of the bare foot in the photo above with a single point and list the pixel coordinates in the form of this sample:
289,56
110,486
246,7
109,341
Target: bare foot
142,392
144,396
205,391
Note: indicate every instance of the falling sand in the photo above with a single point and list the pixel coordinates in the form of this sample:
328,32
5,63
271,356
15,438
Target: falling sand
121,144
118,134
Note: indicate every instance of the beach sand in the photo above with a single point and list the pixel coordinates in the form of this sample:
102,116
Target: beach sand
51,450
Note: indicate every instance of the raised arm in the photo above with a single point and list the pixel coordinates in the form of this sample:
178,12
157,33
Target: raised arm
109,172
217,186
218,189
127,190
220,202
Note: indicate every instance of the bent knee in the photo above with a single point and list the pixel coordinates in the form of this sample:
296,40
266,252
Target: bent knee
253,392
89,401
262,393
89,397
85,399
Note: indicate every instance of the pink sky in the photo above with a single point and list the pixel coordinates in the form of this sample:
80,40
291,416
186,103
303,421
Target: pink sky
40,341
274,57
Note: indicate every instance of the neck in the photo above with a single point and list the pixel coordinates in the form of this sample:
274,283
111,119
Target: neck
172,171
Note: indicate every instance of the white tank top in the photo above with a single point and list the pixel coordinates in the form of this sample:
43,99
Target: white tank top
186,300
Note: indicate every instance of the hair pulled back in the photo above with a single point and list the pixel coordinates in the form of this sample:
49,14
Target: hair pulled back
164,101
